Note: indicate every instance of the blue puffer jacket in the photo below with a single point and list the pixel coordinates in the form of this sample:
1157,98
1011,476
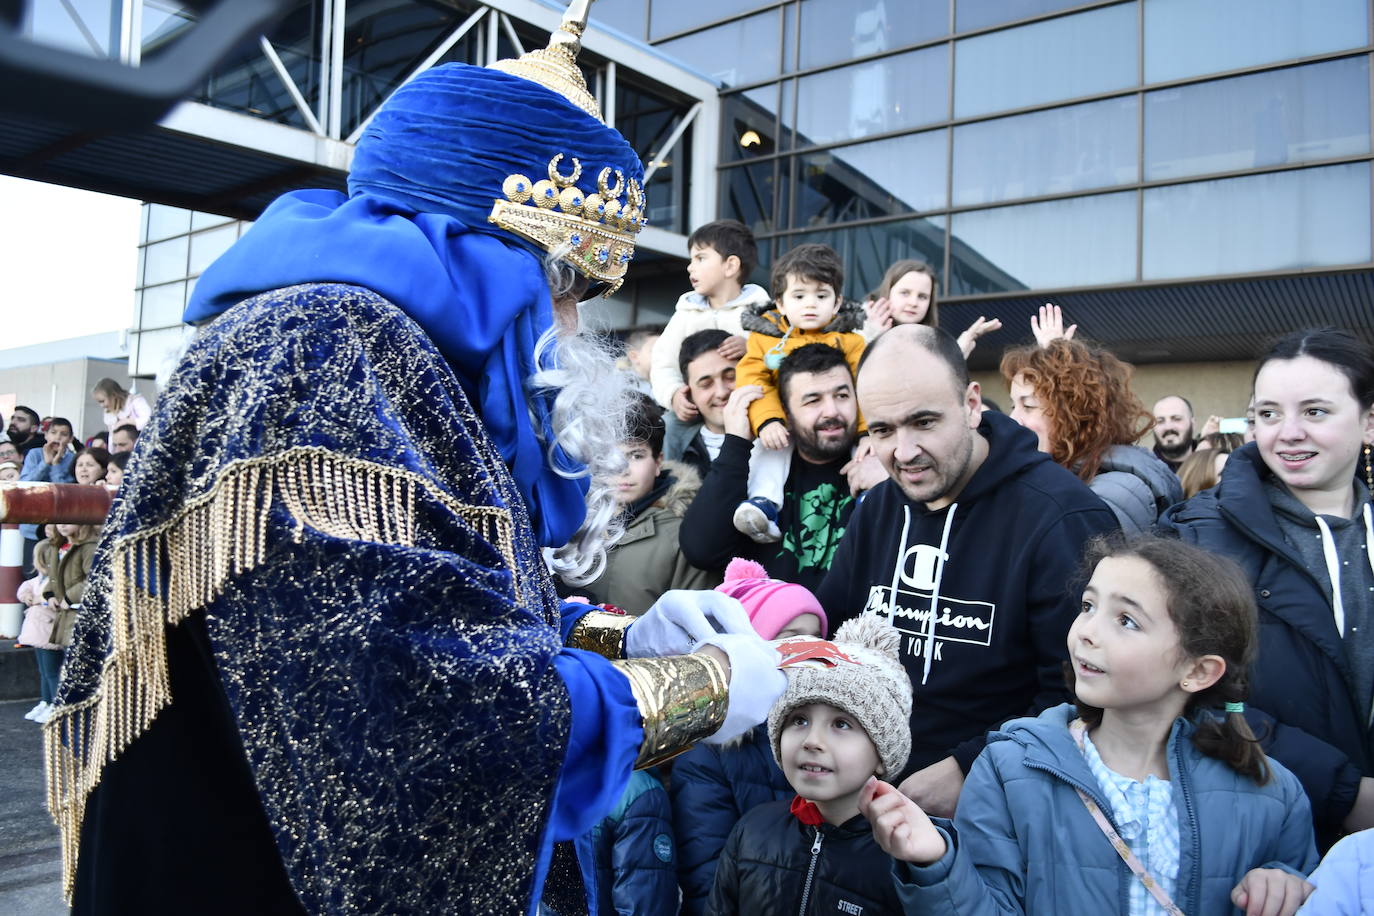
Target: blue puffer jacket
712,788
1300,674
1023,841
628,860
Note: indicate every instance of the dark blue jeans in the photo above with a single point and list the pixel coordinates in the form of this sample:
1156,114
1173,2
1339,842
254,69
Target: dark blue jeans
49,671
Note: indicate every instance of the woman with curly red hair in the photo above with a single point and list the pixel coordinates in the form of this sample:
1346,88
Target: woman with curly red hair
1076,397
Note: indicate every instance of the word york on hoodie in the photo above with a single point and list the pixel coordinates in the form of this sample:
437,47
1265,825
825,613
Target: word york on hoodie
983,591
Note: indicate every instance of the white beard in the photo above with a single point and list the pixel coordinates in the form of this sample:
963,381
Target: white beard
589,410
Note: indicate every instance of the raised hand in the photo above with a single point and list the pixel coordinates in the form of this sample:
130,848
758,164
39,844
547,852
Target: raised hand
969,339
1050,325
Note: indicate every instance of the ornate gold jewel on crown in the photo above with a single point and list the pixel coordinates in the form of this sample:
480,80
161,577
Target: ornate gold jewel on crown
598,229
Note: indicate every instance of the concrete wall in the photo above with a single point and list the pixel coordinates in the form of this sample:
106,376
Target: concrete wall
63,389
1214,388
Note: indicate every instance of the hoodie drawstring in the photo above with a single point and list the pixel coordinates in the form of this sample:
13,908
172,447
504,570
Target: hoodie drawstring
1333,563
897,565
935,592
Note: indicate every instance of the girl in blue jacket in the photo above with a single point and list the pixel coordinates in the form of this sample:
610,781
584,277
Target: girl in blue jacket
1138,799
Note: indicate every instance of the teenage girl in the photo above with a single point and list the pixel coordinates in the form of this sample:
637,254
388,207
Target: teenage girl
1152,779
1294,510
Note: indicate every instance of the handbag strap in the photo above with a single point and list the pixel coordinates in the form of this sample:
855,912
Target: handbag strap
1078,729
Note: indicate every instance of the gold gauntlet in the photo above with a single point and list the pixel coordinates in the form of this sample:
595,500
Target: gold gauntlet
601,633
682,699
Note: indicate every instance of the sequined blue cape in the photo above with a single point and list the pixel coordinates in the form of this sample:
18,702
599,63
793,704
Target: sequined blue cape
415,730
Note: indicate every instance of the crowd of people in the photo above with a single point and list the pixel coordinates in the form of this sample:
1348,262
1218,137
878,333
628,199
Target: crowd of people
1041,565
412,602
57,559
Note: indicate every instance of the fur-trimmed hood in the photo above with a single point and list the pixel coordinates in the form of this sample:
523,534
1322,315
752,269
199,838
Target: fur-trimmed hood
767,318
686,483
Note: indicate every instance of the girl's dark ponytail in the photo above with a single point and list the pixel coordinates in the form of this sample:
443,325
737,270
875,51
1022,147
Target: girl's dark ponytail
1227,737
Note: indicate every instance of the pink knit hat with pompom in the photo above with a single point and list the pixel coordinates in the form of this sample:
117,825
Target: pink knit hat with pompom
771,603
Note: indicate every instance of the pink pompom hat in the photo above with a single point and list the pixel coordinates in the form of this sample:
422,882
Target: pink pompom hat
771,603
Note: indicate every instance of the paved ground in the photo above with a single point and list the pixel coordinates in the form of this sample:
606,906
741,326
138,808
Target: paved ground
30,861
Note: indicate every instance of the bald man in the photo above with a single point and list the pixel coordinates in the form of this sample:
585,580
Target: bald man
969,549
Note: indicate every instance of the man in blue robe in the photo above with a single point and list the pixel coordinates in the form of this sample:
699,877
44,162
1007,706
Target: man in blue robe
322,667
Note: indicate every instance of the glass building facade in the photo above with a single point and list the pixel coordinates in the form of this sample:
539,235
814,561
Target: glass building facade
1042,145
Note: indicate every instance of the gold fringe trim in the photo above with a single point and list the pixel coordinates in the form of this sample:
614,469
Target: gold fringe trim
215,537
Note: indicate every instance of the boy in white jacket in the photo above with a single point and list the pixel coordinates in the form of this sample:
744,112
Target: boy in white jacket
722,254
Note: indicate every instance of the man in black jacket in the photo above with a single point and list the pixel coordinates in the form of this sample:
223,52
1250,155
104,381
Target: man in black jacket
970,550
818,396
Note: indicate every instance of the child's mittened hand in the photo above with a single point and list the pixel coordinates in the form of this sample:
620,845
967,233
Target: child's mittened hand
731,347
900,827
774,435
1270,892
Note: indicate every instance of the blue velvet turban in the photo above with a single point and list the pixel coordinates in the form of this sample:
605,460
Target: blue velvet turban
414,229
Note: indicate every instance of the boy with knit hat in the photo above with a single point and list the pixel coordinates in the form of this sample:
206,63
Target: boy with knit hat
842,721
714,786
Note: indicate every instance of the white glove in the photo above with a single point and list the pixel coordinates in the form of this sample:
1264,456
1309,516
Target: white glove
756,682
682,620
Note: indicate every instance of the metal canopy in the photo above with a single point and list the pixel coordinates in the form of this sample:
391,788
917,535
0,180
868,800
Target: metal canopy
1212,320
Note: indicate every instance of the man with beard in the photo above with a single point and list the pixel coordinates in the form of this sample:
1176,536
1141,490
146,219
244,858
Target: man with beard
1174,439
817,393
24,431
321,666
969,550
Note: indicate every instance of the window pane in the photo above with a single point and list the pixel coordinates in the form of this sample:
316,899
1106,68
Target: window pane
165,260
978,14
749,124
739,52
1189,37
883,178
1046,152
747,195
1079,242
165,222
670,16
866,251
209,245
906,90
162,305
1045,61
835,30
1294,115
87,27
1302,218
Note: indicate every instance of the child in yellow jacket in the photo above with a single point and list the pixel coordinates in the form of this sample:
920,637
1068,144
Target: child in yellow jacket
806,309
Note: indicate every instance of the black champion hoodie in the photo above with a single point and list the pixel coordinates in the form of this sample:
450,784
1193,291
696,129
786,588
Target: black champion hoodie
1002,560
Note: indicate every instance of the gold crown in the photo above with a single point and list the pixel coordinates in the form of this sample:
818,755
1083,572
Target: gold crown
598,229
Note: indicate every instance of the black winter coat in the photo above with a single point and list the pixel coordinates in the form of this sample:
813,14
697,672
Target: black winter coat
775,864
1300,675
712,788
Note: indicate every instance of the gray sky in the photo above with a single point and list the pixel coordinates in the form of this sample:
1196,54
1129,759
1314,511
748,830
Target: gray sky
68,261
